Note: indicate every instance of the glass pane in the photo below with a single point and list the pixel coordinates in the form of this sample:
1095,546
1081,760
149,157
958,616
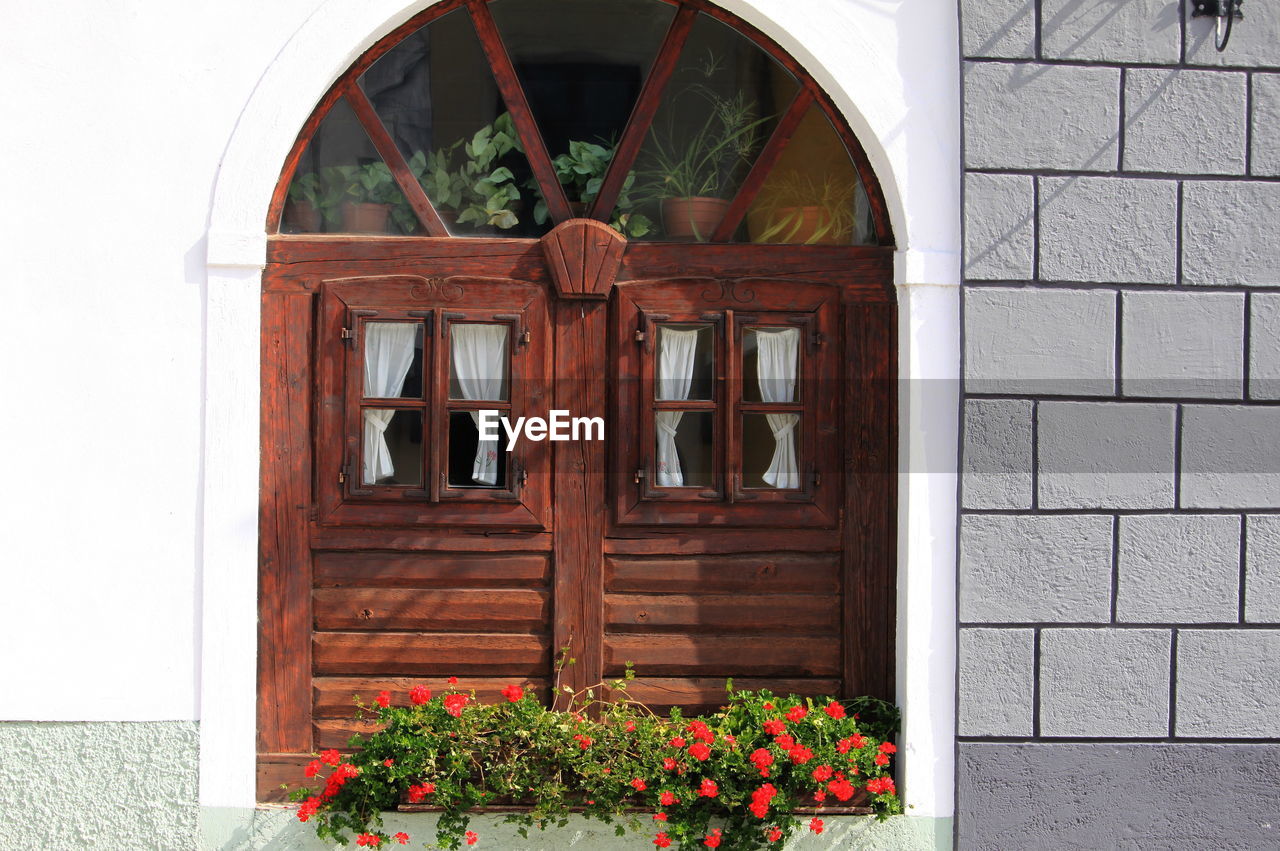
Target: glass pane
392,447
343,186
685,448
781,364
769,457
813,194
582,81
718,110
470,465
393,360
686,362
435,94
478,361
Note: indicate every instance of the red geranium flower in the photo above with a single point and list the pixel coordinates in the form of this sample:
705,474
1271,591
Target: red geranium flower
313,768
383,699
669,763
775,833
800,754
368,840
767,705
661,840
815,825
453,681
835,710
820,796
888,747
881,759
308,808
639,784
823,773
761,758
841,788
797,713
677,742
659,816
453,704
419,695
402,838
700,752
708,789
419,791
667,799
713,839
330,757
472,839
388,762
631,727
773,727
784,741
513,693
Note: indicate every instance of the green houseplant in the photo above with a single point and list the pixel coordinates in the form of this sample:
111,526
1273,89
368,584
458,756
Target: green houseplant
795,207
475,188
315,199
690,169
744,778
581,172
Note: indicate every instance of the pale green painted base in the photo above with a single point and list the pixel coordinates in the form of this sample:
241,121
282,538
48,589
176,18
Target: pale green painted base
101,785
278,829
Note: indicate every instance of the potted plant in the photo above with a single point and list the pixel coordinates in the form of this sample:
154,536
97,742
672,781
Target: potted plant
478,191
581,172
315,199
690,171
370,194
795,207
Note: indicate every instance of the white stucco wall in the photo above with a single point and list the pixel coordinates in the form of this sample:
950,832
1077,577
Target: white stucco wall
142,140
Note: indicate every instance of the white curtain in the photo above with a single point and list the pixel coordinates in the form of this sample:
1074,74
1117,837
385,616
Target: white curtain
676,350
478,358
388,354
779,352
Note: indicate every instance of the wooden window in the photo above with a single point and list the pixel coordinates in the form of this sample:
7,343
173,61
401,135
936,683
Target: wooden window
449,237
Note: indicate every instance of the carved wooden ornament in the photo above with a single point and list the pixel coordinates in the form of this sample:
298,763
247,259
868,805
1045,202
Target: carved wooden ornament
583,256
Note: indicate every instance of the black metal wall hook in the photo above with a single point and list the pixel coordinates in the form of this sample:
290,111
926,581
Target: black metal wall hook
1226,11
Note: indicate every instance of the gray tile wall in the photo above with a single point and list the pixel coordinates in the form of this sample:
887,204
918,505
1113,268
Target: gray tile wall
1119,595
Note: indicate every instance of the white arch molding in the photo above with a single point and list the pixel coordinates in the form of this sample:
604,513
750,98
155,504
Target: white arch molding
891,68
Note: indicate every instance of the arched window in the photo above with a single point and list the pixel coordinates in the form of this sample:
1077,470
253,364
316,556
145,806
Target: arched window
502,211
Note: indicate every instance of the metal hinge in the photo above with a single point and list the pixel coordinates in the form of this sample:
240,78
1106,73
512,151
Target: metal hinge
343,472
640,336
817,339
348,334
525,336
640,474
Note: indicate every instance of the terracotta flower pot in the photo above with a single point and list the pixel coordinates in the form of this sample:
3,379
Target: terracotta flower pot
301,217
365,218
796,226
692,218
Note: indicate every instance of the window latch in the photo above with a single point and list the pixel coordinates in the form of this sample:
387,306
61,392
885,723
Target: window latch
640,474
343,472
348,336
640,336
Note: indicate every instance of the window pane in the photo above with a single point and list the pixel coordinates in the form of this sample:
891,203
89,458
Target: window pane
478,361
769,451
718,110
393,360
436,95
776,351
813,195
471,463
392,447
343,186
582,83
686,362
685,448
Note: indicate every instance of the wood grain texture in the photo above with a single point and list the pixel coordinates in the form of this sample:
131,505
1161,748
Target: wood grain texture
431,570
646,107
723,656
391,155
430,654
504,74
722,614
583,256
434,610
761,168
746,574
399,539
277,769
708,693
284,566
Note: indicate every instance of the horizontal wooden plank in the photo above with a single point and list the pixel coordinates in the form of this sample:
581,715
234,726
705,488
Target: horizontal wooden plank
747,612
432,610
754,573
334,697
723,656
337,732
346,538
434,570
707,694
423,653
650,541
277,769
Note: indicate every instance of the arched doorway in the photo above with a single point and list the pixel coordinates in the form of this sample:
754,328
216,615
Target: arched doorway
442,247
